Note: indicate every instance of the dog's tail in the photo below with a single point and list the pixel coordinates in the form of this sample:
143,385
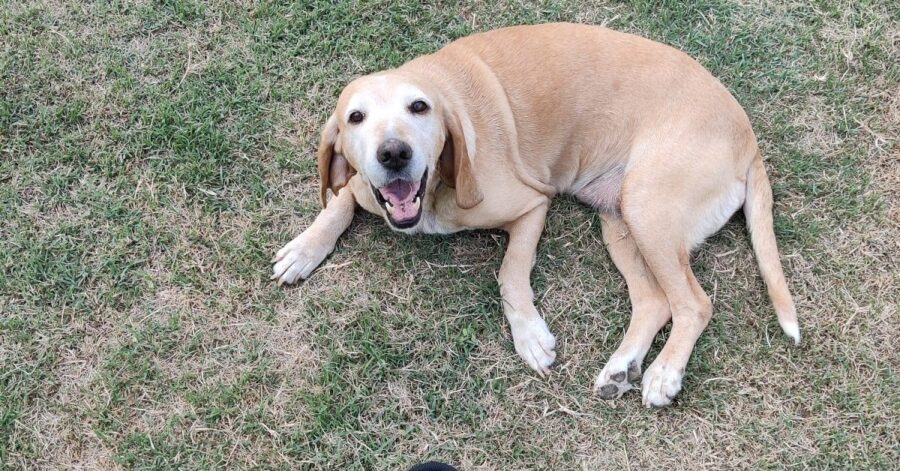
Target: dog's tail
758,211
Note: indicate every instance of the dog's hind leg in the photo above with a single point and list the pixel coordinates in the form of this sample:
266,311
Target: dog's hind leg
691,198
650,311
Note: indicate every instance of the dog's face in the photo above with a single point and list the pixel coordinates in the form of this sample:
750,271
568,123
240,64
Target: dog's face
392,136
401,138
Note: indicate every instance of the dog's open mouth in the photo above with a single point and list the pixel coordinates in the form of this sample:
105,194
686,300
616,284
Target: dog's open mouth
402,200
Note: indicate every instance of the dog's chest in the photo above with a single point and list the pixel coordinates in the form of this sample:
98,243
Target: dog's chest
433,224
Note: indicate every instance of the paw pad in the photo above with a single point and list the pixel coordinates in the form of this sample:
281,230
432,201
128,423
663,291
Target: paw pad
612,385
609,392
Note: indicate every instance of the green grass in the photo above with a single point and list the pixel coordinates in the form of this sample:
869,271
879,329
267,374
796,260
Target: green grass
155,154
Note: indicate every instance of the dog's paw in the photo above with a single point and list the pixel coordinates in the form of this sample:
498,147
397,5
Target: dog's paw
617,378
660,385
297,259
534,343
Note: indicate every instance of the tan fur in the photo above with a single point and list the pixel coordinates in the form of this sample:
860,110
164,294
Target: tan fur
633,128
456,163
334,170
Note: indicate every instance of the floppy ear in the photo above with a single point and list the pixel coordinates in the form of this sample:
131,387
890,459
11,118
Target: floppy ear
457,160
334,170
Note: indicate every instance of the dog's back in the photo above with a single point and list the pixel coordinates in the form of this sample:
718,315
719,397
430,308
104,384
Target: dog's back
582,96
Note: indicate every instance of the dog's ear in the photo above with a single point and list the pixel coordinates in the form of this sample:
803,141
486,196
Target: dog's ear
457,159
334,170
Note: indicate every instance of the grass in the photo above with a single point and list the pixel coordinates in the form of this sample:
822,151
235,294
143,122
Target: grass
155,154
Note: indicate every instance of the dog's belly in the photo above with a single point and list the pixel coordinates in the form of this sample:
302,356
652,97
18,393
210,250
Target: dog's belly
602,192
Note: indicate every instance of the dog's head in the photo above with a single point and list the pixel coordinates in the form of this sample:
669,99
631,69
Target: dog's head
403,138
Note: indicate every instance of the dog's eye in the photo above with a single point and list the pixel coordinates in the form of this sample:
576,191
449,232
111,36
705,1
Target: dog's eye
356,117
418,107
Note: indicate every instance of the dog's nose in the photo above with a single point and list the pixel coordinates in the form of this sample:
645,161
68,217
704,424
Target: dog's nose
394,154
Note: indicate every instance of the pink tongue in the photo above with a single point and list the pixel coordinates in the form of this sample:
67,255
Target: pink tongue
401,194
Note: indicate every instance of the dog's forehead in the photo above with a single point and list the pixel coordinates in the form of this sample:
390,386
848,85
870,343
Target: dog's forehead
380,90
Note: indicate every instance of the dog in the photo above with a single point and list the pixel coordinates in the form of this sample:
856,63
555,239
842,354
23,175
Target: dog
486,131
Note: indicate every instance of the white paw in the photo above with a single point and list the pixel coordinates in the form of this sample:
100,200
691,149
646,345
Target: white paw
298,259
617,377
660,385
534,343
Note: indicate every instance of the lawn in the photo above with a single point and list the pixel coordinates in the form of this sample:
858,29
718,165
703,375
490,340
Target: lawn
154,154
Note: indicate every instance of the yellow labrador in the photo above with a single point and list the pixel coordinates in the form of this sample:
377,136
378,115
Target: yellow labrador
484,132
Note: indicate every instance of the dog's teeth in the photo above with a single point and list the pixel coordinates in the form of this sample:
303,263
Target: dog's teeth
388,205
417,200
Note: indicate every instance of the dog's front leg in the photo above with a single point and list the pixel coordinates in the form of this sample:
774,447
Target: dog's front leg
301,256
533,340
